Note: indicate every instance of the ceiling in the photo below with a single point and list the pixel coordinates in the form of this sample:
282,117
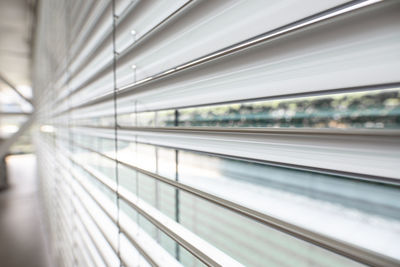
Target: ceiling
16,28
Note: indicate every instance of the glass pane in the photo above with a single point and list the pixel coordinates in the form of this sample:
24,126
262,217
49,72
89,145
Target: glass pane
372,109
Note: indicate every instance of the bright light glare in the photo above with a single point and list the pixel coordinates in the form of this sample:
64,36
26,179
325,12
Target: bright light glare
26,90
9,129
47,129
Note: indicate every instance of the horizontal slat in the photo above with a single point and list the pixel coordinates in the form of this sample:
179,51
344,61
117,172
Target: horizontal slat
367,108
106,68
88,239
93,248
94,15
373,154
201,249
153,254
143,243
3,113
66,233
168,106
105,132
238,36
100,238
262,57
324,241
83,209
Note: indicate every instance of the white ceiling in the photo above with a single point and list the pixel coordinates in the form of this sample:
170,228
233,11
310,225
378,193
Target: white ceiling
16,20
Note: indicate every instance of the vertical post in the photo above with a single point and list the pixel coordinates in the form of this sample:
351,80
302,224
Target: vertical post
177,210
114,26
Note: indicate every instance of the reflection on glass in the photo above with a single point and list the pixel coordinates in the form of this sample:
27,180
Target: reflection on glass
374,109
224,176
355,110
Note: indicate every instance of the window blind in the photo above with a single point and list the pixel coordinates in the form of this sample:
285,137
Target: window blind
220,133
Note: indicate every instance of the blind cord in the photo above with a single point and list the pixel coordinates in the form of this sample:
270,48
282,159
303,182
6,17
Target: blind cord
115,17
75,246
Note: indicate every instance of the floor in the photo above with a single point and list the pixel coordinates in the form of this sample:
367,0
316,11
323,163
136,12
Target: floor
22,238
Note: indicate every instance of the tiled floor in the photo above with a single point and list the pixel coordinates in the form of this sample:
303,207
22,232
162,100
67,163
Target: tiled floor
22,241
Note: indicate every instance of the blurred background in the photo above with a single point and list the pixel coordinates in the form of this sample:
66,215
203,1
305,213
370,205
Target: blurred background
17,21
